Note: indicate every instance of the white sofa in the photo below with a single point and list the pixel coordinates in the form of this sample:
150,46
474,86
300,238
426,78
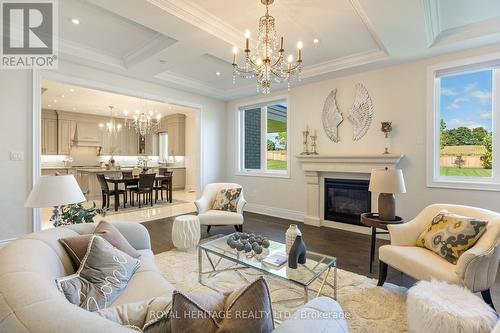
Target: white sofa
476,268
211,217
31,302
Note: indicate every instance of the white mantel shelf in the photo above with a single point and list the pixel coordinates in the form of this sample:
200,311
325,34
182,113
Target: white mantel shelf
317,167
348,163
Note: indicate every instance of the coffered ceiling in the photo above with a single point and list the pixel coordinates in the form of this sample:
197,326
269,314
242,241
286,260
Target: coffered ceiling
187,43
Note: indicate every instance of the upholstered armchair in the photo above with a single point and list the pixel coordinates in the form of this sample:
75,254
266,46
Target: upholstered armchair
211,217
476,268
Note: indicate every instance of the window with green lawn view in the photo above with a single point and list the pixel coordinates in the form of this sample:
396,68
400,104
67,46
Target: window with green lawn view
465,113
263,133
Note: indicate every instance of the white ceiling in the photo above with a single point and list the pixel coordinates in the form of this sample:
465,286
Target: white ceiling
183,43
64,97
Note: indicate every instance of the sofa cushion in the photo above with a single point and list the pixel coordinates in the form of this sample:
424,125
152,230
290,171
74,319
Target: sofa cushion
76,246
450,235
227,199
247,309
101,278
220,217
419,263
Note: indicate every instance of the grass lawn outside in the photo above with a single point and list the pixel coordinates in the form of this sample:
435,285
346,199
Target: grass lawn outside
465,172
276,165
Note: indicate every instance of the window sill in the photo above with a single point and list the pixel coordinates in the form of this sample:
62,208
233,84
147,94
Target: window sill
465,185
264,174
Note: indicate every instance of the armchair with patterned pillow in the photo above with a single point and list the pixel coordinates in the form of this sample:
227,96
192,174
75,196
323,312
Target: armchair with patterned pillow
475,268
221,204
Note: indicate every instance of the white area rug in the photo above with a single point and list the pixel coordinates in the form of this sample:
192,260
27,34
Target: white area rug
370,309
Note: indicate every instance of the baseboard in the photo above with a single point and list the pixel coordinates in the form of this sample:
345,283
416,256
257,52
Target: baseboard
275,212
352,228
5,242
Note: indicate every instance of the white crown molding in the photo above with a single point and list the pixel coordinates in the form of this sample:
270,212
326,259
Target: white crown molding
77,50
158,43
201,18
358,8
191,83
436,36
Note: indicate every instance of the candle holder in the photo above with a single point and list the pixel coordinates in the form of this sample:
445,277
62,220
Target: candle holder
386,129
305,136
313,145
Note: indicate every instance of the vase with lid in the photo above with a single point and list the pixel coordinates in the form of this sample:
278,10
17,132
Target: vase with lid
290,235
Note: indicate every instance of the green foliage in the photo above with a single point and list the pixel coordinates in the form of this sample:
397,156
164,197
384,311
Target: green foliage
282,139
488,157
271,145
77,213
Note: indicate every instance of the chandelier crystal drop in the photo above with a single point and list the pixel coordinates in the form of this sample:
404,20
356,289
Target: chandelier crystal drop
143,123
267,63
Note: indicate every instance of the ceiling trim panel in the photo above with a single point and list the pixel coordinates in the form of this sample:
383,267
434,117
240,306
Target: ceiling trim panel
80,51
158,43
191,83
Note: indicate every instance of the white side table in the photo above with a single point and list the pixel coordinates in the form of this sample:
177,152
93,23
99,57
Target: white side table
186,231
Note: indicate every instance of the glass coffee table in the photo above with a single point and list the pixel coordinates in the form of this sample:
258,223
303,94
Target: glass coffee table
317,266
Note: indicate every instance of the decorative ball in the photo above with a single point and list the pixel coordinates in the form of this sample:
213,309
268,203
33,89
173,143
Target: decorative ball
229,240
233,244
265,243
244,235
252,235
251,239
254,245
248,247
240,246
236,235
258,249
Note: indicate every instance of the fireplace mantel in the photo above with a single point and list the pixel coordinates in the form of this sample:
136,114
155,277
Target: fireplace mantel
315,166
348,163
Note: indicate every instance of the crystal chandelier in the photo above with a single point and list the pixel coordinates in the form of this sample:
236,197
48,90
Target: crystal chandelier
143,123
268,62
112,128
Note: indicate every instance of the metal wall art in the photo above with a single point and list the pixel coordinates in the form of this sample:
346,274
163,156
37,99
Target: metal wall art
361,114
332,117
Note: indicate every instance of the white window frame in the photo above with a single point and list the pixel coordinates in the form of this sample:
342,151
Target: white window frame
240,125
434,179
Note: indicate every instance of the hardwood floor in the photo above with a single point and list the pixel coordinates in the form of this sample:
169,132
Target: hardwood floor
351,249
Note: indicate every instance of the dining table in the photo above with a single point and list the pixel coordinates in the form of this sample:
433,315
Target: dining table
134,180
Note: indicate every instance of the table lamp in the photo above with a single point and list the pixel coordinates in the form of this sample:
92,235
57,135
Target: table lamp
387,182
55,191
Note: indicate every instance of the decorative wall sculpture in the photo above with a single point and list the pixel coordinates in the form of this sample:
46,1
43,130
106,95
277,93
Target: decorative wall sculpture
332,117
361,114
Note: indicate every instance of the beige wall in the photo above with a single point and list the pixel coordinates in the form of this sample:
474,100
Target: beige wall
399,95
16,135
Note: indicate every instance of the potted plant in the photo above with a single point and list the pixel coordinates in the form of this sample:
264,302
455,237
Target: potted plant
76,213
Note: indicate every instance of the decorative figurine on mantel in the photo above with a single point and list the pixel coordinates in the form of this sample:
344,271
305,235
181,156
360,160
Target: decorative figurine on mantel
386,129
313,144
305,139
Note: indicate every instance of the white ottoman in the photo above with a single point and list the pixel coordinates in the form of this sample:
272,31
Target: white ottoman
186,231
439,307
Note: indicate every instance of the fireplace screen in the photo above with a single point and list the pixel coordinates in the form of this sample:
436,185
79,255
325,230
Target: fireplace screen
346,200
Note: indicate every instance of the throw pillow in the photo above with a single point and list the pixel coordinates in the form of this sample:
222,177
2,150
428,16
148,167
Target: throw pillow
151,316
246,310
450,235
227,199
76,246
103,275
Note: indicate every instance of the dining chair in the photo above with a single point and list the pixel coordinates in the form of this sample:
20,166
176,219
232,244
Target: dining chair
164,184
129,186
145,187
107,193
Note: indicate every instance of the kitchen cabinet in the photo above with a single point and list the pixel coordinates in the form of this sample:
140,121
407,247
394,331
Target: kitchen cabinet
49,133
54,171
65,133
152,144
175,126
132,142
178,178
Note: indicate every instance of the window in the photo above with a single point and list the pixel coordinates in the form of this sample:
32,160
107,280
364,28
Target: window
464,111
263,133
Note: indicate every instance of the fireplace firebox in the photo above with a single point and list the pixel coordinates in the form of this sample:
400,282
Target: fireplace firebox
346,200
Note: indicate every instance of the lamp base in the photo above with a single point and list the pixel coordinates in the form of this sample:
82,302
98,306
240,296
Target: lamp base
387,206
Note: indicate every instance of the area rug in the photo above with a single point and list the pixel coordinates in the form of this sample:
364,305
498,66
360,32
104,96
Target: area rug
129,208
369,309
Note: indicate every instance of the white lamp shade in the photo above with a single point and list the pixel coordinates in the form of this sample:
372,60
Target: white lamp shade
387,181
51,191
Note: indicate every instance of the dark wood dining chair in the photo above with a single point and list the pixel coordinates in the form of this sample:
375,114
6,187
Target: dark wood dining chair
164,185
145,187
131,185
107,193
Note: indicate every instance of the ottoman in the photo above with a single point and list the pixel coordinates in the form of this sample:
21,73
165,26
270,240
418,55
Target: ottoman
439,307
186,231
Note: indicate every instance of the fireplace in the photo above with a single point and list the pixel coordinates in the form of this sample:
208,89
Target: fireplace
346,200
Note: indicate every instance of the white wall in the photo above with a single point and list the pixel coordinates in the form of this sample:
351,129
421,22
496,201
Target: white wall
399,95
16,135
191,160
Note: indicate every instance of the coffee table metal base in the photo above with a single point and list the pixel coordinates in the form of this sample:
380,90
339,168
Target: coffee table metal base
237,267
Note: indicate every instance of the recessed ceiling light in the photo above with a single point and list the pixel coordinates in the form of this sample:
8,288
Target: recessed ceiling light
48,105
72,90
315,41
75,21
55,101
62,96
217,73
163,61
169,107
74,109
